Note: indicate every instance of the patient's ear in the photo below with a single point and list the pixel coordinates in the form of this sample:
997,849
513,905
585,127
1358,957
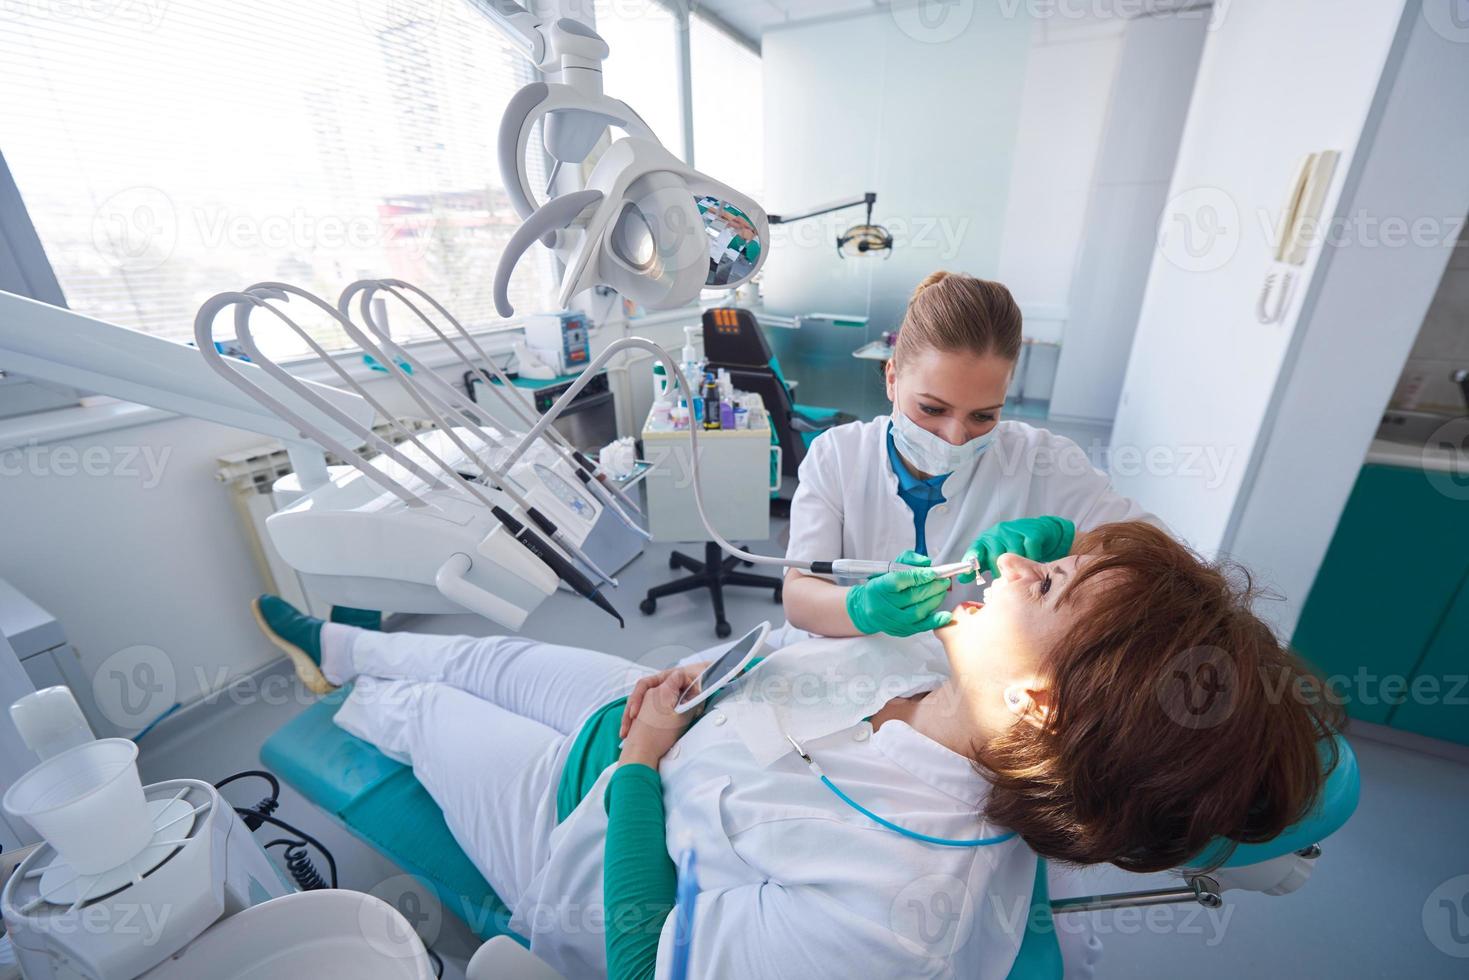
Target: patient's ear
1031,703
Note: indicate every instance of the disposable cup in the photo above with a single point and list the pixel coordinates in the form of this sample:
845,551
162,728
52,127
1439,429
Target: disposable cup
87,802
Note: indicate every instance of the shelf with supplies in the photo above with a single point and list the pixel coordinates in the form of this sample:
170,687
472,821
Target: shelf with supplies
735,468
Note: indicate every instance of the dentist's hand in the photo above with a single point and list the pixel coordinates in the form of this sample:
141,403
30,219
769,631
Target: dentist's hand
1036,538
685,675
657,726
899,603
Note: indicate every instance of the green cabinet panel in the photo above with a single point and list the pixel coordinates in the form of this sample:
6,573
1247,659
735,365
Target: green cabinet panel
1437,704
1396,563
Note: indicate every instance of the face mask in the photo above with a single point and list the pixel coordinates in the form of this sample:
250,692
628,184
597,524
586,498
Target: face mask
930,453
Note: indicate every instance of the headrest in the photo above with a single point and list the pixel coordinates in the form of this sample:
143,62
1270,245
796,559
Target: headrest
1336,804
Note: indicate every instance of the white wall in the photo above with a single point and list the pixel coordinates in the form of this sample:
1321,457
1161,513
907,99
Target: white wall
1360,325
142,547
1276,81
1069,74
871,103
1148,103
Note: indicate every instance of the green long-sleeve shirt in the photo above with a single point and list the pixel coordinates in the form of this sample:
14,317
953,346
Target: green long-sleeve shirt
639,880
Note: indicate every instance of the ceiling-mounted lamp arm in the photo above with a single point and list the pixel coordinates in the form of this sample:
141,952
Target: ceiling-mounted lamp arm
869,198
552,44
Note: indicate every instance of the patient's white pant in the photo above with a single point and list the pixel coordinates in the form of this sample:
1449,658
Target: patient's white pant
486,724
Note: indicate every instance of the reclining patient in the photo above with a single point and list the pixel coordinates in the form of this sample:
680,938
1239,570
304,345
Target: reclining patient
1119,705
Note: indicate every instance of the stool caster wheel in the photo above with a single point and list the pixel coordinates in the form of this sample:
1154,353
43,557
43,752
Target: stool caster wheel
673,562
779,595
647,606
747,564
722,629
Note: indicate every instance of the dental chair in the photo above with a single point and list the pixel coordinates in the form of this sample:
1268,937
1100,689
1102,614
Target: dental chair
381,802
733,341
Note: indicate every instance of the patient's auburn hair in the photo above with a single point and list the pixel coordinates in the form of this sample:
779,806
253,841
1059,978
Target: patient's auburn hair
1177,718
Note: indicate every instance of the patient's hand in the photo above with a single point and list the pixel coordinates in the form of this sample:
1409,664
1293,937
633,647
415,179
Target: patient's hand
657,725
685,675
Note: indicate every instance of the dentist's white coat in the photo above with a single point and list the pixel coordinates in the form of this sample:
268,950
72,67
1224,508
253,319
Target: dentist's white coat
847,503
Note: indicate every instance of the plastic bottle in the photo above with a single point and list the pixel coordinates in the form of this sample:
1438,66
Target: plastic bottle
660,382
690,363
712,417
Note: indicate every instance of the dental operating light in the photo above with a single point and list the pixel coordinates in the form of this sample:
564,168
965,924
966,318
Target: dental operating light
857,240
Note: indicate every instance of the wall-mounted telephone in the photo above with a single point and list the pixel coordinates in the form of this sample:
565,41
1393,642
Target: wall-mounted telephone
1300,221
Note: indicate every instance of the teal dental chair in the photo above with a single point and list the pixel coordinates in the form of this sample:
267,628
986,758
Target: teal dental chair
381,802
733,341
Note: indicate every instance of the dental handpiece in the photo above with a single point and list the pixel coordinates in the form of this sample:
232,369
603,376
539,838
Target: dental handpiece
857,568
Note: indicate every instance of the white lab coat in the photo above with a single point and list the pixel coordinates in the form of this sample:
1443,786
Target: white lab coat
847,504
793,882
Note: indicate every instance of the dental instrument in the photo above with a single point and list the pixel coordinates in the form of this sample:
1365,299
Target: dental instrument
438,546
843,567
505,391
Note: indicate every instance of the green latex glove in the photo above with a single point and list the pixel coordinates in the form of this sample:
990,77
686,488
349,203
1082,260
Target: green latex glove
1036,538
899,603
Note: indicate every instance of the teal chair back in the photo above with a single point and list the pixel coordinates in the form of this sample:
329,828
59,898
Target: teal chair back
1040,954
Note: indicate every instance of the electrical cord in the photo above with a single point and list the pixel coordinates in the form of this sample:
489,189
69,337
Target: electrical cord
298,861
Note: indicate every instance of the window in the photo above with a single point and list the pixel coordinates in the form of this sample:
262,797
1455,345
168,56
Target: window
167,152
643,66
729,118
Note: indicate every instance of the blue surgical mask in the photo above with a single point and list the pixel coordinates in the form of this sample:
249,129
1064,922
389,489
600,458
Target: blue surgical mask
931,453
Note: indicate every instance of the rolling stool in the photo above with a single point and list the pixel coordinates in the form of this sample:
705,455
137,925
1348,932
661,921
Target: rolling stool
713,573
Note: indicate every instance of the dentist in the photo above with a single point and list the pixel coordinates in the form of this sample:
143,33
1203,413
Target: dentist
942,478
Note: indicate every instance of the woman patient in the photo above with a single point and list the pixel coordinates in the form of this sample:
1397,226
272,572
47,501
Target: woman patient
1119,705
